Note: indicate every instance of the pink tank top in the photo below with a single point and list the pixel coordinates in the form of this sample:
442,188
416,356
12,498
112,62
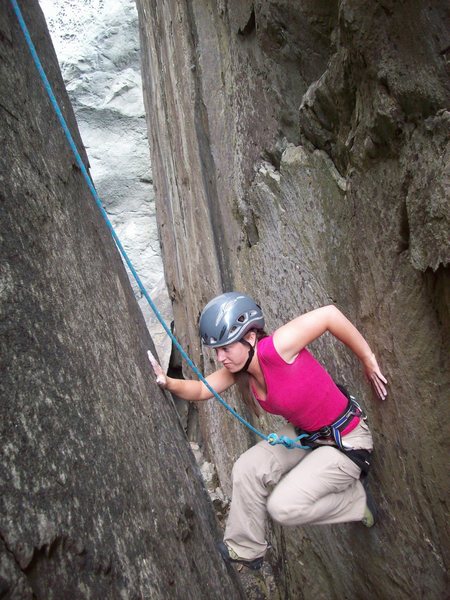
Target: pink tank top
302,392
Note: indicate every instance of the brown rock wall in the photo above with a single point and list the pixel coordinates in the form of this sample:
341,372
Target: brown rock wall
301,148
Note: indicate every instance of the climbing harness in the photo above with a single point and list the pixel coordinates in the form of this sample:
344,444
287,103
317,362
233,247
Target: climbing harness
272,438
334,430
362,458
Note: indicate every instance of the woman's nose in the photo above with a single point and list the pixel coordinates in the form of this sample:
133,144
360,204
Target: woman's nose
220,354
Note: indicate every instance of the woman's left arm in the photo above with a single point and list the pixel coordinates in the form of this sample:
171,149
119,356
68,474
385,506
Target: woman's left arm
298,333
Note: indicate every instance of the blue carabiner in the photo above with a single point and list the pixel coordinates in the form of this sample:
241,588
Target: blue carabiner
272,438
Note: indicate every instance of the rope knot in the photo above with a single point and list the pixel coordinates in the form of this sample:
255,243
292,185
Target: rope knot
287,442
275,439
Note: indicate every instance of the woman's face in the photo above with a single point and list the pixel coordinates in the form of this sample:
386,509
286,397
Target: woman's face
233,356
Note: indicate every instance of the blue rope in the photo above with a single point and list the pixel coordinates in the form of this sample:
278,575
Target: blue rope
273,438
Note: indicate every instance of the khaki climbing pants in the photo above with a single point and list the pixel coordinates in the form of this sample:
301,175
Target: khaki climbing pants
296,487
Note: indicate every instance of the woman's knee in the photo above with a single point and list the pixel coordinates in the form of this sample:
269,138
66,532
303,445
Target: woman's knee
276,509
282,511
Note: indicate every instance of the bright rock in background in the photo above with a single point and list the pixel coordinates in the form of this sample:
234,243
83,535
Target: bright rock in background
97,43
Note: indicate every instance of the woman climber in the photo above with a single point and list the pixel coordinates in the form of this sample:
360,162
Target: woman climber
295,486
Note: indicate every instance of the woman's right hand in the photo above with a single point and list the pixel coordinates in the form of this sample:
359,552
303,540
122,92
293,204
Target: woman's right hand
375,376
161,378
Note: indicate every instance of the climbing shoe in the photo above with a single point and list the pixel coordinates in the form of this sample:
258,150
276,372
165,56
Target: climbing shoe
370,512
230,556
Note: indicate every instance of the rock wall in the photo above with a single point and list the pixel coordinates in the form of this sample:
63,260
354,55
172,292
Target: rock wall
299,152
100,494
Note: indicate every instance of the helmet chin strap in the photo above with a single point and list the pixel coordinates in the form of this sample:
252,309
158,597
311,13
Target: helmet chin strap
251,354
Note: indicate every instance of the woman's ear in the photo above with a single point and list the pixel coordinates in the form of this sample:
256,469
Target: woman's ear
250,337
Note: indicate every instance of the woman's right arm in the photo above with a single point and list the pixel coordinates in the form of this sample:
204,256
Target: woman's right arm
189,389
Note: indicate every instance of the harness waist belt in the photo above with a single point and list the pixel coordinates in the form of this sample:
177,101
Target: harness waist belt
335,429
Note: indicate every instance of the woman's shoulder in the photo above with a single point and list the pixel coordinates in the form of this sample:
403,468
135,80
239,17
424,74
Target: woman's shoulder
265,346
268,353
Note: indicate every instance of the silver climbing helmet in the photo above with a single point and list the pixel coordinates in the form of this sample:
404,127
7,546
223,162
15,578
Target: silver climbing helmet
228,317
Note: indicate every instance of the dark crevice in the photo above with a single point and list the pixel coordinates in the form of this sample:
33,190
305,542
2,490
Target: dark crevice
404,231
250,26
4,588
437,284
40,554
187,411
404,228
251,231
9,112
10,552
273,157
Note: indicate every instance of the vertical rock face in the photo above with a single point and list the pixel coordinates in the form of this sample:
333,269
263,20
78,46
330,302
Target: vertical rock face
100,496
299,152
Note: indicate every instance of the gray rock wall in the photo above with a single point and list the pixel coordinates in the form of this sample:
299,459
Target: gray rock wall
299,152
100,496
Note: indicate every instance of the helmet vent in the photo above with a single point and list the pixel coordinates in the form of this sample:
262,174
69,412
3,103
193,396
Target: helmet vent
242,319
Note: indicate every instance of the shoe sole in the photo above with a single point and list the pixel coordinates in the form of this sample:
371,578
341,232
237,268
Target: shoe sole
254,565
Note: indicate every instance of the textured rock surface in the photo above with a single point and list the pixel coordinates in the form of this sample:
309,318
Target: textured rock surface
100,495
299,152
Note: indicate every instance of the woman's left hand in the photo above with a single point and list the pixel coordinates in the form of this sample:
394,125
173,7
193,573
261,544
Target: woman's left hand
161,378
375,376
